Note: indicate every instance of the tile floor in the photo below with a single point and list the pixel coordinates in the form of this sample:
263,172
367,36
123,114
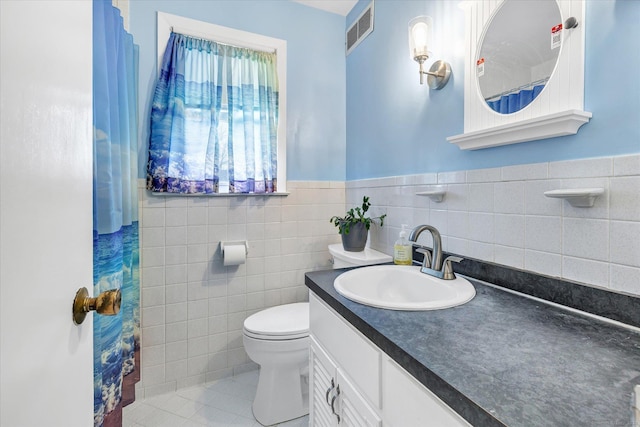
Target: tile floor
226,402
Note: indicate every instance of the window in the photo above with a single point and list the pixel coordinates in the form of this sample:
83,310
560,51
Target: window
198,158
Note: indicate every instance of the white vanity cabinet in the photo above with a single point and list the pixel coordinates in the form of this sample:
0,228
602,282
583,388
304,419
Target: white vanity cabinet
354,383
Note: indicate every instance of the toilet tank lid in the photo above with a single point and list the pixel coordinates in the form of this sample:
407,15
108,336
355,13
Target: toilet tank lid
282,320
366,257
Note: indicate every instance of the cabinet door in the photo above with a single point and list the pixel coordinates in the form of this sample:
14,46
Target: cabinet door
322,387
409,403
349,349
354,411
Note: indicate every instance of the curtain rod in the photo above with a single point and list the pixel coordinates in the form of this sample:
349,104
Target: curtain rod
222,43
519,88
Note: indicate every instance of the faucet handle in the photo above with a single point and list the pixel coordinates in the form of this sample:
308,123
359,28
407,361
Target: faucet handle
448,268
427,255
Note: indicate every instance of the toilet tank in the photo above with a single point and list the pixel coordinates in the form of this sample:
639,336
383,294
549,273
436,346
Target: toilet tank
343,259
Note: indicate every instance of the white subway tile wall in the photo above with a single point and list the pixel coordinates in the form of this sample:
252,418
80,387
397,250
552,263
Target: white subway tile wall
501,215
192,306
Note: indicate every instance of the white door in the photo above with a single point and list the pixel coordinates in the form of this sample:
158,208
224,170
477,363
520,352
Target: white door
46,362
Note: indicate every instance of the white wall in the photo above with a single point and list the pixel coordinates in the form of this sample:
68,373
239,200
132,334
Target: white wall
193,307
501,215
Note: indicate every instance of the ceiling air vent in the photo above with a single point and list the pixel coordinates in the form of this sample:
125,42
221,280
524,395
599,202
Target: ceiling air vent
360,29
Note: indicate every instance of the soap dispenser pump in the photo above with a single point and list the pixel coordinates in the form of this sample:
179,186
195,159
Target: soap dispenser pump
402,254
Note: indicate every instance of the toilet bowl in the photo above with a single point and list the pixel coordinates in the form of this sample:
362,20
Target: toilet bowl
277,339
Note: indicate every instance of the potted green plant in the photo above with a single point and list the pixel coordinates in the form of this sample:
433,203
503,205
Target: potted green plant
354,226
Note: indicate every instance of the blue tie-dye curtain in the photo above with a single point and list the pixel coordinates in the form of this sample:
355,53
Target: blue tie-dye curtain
115,213
215,110
516,101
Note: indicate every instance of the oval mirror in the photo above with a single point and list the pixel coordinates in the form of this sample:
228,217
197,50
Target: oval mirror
518,53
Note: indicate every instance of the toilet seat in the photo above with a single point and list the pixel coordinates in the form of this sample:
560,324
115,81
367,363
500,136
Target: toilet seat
284,322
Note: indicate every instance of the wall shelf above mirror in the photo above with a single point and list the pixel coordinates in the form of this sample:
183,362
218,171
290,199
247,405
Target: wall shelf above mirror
527,54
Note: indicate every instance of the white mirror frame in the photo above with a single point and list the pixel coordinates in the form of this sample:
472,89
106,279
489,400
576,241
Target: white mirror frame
557,111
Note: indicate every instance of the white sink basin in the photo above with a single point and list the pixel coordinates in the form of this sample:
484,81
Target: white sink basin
401,287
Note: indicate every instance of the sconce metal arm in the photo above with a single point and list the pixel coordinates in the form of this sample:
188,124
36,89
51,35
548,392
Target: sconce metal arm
438,74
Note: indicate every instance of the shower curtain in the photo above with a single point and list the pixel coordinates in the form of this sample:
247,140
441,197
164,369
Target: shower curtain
516,101
116,339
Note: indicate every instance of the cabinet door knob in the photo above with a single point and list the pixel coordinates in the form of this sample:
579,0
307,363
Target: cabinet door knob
107,304
333,401
326,397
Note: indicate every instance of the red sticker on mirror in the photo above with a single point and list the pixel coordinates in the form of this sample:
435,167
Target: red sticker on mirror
480,67
556,36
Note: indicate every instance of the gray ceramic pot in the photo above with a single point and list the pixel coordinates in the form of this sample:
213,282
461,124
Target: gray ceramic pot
356,239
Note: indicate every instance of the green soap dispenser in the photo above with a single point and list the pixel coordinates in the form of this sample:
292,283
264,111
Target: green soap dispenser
402,248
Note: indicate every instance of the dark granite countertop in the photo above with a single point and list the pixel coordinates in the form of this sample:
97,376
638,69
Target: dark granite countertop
506,360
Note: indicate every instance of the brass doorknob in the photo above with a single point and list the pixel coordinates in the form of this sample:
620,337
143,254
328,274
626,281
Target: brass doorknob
107,304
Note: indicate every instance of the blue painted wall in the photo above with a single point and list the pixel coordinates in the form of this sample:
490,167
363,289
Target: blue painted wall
397,127
316,115
369,117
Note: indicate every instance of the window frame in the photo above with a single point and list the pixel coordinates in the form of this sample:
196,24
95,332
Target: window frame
225,35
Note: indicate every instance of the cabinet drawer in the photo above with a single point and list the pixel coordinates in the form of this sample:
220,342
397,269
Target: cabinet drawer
351,350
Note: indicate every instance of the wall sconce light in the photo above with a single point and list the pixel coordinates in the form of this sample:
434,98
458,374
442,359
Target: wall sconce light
419,42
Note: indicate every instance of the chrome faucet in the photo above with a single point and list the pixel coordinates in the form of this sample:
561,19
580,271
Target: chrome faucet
432,263
435,261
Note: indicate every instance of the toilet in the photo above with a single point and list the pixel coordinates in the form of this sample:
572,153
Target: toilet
277,339
343,259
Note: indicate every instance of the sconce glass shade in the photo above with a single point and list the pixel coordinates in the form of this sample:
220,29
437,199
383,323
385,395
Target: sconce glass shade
419,42
420,37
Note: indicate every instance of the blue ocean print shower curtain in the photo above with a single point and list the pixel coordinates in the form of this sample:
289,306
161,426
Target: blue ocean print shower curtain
115,213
